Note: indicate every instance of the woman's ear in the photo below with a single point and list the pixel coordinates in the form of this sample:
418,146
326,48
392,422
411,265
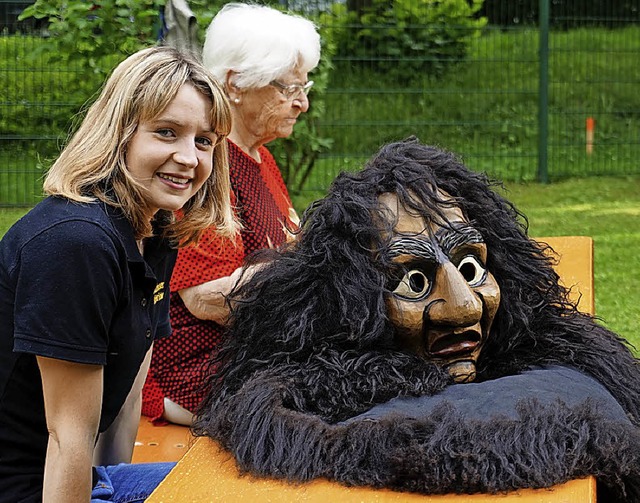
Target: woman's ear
233,92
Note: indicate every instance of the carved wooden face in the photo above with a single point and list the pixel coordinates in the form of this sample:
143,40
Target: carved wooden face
443,298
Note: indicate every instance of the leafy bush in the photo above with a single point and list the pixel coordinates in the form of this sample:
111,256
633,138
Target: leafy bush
406,38
88,32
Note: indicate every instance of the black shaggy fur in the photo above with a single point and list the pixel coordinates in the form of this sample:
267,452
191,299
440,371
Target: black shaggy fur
310,345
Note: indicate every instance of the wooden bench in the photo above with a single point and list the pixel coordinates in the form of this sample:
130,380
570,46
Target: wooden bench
161,443
207,473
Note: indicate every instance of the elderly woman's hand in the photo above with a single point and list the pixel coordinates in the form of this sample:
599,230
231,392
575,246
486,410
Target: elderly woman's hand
295,219
209,301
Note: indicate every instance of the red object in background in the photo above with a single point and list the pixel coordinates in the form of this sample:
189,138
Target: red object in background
590,127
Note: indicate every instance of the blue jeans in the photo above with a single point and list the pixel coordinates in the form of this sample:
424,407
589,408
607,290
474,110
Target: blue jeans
128,483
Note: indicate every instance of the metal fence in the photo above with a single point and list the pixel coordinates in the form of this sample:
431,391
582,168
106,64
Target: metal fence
542,95
534,94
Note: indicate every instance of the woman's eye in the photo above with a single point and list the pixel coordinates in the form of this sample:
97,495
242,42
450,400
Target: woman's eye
472,270
204,141
413,285
166,133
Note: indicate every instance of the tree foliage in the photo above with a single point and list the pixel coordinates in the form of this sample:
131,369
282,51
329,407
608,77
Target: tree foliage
88,32
407,37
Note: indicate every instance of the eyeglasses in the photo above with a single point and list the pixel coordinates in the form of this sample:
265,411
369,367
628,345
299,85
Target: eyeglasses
291,91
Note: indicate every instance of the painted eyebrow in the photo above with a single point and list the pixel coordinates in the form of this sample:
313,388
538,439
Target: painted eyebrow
412,246
449,239
457,235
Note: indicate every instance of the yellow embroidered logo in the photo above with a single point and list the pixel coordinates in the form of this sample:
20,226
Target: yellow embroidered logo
158,292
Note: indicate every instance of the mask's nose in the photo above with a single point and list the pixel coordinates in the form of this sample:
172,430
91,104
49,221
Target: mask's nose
453,303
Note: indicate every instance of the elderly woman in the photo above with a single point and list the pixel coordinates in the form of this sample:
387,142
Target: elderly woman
262,57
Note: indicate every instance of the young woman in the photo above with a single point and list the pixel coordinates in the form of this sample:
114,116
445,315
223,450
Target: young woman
84,276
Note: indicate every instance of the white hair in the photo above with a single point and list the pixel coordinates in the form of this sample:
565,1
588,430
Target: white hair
259,44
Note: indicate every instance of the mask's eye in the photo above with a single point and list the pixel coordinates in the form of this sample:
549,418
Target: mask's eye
413,285
472,270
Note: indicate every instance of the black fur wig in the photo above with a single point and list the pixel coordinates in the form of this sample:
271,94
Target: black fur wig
310,348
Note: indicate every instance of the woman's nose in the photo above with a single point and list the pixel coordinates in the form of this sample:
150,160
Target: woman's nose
186,153
302,102
452,301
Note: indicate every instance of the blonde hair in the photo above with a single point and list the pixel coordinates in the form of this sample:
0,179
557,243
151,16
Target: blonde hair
92,166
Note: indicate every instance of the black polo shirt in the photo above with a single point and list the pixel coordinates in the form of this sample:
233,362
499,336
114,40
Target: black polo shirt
73,286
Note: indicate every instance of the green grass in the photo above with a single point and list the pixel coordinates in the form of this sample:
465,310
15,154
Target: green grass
20,177
608,210
8,216
605,208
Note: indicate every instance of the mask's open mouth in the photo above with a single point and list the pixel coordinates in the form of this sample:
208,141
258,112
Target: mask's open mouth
451,345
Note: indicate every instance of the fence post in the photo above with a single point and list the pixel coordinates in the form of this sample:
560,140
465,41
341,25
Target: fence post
543,92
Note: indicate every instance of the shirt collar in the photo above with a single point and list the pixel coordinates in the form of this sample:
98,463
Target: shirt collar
155,246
